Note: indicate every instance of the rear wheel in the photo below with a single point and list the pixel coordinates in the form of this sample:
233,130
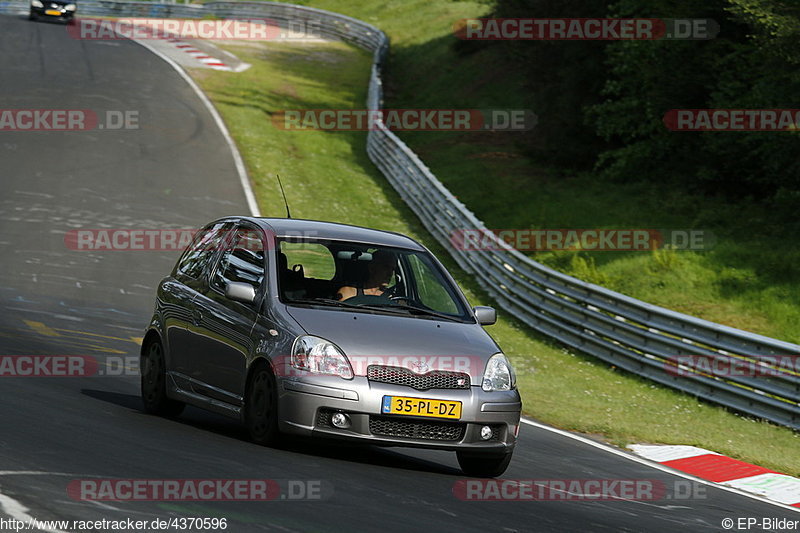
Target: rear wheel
261,407
483,465
154,383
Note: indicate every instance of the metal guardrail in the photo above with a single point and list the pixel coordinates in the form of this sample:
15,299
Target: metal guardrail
633,335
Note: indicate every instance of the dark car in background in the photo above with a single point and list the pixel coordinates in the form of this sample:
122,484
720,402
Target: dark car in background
252,323
55,10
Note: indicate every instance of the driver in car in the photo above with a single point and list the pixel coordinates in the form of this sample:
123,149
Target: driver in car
380,271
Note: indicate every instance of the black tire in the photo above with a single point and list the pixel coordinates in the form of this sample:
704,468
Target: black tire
154,383
32,15
483,465
261,407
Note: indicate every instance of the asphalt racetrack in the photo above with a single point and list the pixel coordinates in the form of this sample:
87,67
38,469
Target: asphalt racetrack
176,171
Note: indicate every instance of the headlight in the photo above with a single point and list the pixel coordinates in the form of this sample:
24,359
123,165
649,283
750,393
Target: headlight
36,3
319,356
70,7
498,375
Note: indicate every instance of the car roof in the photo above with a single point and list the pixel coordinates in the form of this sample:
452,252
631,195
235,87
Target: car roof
316,229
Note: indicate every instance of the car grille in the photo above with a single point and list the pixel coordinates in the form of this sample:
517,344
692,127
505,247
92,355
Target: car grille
436,379
415,429
324,418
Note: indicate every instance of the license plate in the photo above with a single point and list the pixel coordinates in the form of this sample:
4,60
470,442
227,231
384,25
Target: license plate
54,12
401,405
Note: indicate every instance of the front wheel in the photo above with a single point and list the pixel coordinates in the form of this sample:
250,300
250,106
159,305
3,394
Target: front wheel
261,407
483,465
154,383
31,15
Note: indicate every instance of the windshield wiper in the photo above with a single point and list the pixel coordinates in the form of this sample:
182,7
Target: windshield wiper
323,301
391,308
412,309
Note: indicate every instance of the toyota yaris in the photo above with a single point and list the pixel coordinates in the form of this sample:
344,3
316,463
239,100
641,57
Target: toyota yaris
323,329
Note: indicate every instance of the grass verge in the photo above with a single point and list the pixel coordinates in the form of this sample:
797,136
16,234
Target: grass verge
328,176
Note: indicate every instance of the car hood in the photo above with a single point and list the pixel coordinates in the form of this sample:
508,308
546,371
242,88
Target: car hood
393,340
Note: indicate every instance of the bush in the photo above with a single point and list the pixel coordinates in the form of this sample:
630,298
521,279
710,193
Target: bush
753,63
602,104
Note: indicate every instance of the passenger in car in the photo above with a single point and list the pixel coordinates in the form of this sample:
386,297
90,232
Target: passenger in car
380,271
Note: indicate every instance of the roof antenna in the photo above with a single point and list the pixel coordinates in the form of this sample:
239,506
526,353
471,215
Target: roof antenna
288,214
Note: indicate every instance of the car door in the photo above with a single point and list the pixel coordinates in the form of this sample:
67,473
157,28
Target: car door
224,341
176,295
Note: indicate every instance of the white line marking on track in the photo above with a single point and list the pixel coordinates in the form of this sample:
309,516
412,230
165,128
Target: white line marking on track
651,464
32,473
776,487
16,510
661,454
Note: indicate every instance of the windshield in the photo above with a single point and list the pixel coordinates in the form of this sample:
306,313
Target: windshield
365,277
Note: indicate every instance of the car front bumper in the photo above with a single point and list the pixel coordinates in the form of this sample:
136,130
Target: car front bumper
50,13
306,407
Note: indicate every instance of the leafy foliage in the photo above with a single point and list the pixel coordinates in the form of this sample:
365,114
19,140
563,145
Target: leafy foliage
606,102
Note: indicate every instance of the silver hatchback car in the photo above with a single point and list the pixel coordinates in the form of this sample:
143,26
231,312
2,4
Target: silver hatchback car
322,329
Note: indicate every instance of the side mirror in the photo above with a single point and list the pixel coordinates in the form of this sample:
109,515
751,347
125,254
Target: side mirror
486,315
240,292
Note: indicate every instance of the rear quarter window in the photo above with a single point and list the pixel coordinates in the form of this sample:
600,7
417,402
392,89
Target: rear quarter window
316,259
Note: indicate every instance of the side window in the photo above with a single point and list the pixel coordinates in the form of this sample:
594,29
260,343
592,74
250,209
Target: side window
316,259
201,251
430,286
242,261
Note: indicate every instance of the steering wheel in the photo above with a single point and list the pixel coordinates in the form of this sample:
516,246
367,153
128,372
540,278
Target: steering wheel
390,291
